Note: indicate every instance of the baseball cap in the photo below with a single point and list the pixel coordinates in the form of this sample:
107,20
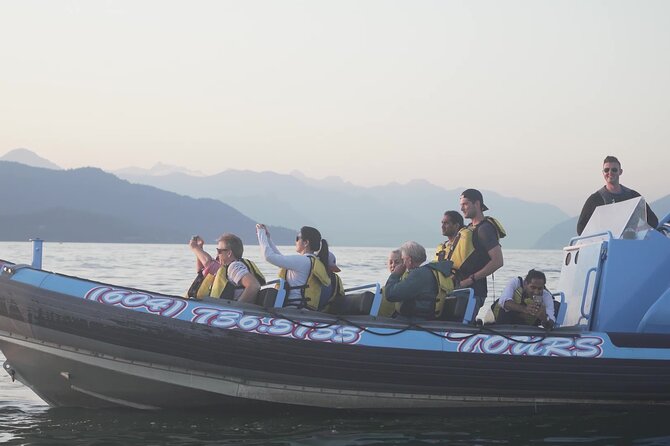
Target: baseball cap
474,195
332,263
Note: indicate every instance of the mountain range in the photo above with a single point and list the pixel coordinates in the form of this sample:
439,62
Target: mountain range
353,215
346,214
29,158
90,205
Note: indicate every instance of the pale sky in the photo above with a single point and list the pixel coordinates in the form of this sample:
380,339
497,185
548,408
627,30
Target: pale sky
522,97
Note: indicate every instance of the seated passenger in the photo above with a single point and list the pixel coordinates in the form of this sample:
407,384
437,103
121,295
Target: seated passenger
387,308
417,292
526,302
395,259
304,273
230,276
335,289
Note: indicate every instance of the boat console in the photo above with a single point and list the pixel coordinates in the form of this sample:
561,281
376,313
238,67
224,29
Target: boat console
615,276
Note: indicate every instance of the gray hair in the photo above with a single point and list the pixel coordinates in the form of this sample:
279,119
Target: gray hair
395,252
414,251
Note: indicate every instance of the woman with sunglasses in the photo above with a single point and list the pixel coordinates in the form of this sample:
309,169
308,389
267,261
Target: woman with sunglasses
612,192
304,273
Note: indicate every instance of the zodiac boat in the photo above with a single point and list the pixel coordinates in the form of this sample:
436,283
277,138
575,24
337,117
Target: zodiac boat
77,342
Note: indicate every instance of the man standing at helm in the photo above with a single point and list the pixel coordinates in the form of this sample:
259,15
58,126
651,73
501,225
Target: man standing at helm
611,192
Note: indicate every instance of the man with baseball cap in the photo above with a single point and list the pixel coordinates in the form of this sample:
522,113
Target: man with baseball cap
487,256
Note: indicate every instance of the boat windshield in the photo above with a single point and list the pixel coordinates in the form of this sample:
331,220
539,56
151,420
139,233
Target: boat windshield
625,220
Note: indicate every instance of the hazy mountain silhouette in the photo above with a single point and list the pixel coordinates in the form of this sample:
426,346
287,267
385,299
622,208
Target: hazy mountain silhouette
352,215
559,235
345,213
29,158
63,224
91,205
156,169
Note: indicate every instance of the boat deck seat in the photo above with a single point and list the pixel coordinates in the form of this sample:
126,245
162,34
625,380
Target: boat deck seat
271,296
352,304
459,306
449,309
267,297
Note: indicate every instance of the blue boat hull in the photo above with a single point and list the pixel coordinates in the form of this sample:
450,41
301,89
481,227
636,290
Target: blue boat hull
82,343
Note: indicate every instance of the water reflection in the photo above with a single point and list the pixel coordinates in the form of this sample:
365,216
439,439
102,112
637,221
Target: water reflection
301,427
24,419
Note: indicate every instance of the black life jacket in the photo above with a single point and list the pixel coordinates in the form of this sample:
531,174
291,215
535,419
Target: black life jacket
480,256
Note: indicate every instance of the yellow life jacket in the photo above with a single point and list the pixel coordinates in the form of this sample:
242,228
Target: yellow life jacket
310,293
218,286
338,289
519,298
457,251
445,285
499,227
388,308
205,286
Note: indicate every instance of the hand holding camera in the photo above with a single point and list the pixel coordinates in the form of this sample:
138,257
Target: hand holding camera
196,241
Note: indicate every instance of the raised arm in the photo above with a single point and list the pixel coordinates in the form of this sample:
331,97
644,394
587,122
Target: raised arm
203,259
272,255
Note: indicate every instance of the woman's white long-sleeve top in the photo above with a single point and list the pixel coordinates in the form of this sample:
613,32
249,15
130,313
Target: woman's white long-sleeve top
297,265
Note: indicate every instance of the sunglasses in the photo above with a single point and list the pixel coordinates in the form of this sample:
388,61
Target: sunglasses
222,250
297,237
613,169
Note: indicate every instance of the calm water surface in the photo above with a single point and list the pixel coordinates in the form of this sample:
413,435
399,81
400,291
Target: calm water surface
25,419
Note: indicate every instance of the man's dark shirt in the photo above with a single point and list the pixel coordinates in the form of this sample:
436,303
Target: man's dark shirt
603,196
485,238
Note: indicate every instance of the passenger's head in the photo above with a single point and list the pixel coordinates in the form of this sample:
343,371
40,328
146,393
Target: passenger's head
534,282
612,169
395,259
229,248
413,254
452,222
472,203
309,240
